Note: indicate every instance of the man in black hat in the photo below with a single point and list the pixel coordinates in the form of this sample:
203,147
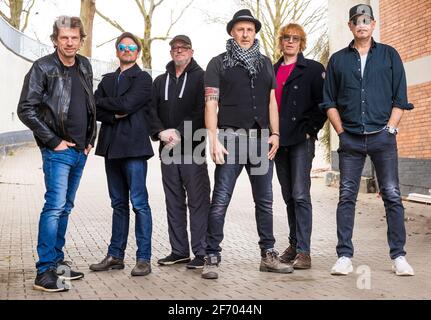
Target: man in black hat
240,83
177,112
365,95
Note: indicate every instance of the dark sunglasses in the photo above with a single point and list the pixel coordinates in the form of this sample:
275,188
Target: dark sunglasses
130,47
361,20
294,39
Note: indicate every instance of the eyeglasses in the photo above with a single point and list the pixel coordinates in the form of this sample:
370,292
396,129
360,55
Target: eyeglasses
361,20
131,47
177,49
290,38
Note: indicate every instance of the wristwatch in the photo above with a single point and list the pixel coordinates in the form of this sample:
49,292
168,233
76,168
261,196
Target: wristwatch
391,130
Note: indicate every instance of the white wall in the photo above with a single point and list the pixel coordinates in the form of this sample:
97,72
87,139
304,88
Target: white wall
13,69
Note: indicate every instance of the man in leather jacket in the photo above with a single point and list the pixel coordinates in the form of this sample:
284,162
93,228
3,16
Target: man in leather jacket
57,104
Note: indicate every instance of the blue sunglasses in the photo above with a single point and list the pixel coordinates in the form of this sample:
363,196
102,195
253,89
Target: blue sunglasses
130,47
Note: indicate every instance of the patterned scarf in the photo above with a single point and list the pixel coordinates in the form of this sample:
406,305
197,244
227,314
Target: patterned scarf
251,59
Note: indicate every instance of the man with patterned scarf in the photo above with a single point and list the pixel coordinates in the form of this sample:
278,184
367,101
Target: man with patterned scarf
240,84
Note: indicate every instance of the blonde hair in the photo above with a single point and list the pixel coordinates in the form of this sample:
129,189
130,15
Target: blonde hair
297,28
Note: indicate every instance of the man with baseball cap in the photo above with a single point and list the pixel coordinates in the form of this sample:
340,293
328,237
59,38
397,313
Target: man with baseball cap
240,83
177,112
365,95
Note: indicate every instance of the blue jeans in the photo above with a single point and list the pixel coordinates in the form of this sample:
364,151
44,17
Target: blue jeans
63,171
224,184
128,177
293,164
382,149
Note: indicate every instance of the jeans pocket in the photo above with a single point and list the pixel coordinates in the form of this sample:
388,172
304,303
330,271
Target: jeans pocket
345,142
389,139
61,151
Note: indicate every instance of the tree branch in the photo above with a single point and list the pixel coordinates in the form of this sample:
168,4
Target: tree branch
102,44
113,23
154,6
5,17
173,22
268,9
141,7
27,15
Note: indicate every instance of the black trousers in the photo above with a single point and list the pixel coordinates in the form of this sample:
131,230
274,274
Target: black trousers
187,185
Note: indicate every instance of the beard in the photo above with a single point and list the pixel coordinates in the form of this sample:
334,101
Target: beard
182,63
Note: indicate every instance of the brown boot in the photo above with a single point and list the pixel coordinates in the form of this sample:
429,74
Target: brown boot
107,264
271,263
142,268
302,261
288,255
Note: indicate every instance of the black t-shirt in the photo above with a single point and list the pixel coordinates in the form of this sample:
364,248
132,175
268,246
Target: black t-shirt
77,117
242,103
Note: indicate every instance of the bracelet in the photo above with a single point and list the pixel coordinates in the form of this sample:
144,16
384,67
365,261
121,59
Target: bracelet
275,134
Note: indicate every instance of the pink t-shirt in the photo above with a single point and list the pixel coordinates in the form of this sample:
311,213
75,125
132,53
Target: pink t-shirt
283,74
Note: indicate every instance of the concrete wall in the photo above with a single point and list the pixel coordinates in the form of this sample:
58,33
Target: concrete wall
13,69
12,132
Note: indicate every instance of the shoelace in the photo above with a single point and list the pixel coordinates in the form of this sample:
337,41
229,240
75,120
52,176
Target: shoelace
272,253
343,260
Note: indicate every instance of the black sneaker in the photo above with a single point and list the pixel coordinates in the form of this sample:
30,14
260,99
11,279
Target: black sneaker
197,263
172,259
65,271
48,281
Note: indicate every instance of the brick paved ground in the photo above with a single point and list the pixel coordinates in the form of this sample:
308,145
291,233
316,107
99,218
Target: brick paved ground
21,198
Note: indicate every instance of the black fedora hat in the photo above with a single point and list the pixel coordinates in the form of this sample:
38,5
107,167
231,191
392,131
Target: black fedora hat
243,15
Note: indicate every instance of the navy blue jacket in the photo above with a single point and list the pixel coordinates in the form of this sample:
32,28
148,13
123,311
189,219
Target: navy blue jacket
302,93
126,137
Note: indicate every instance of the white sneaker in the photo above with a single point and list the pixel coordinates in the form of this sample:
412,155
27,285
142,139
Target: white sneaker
342,267
401,267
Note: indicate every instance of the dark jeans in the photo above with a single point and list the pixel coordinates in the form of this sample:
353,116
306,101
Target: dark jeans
187,185
382,149
224,184
63,171
128,176
293,166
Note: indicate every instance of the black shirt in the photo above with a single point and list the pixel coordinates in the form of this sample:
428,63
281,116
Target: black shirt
77,117
242,104
365,104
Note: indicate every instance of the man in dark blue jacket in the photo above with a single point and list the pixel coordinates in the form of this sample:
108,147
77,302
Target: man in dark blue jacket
298,93
177,113
365,96
122,101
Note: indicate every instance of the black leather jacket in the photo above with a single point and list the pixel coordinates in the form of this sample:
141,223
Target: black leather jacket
45,100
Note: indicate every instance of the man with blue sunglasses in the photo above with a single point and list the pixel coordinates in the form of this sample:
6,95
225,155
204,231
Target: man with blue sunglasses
122,101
